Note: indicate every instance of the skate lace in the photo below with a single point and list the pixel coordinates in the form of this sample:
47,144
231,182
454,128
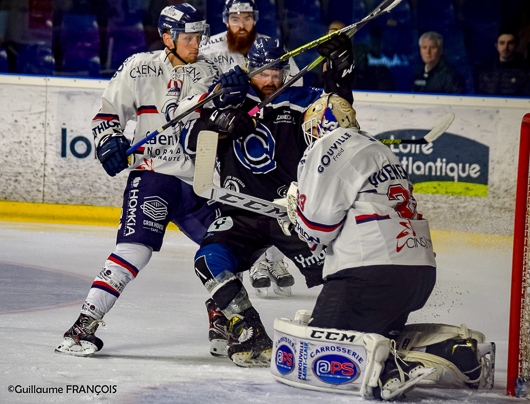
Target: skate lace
260,270
90,325
397,360
278,269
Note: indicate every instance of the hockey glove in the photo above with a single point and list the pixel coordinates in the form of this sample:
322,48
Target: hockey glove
230,122
111,153
339,52
234,87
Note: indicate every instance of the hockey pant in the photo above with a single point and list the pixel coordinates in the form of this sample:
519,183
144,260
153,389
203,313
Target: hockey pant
150,202
233,243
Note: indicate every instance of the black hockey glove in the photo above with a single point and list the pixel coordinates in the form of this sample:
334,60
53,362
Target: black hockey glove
234,87
111,153
339,53
230,122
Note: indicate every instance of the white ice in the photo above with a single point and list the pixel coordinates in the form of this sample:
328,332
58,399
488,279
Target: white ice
156,345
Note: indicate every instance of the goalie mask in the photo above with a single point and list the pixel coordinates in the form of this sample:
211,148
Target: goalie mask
182,18
238,7
326,114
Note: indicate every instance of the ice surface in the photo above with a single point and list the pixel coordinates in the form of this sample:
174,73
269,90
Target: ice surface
156,345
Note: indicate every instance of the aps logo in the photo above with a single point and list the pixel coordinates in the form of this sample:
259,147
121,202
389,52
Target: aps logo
284,359
335,369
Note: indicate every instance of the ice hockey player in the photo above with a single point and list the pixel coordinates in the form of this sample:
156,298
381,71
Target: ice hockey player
355,198
259,160
229,49
145,89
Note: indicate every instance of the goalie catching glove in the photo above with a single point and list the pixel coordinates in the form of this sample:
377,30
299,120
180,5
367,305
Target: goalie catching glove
112,153
230,122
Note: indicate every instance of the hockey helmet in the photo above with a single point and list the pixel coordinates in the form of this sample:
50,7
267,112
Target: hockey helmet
327,114
240,6
182,18
265,50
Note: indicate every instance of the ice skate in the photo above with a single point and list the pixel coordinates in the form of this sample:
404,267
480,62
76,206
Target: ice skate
281,279
259,278
80,339
253,347
394,383
218,331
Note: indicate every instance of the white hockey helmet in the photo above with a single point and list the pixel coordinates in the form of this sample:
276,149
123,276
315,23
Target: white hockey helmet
327,114
238,7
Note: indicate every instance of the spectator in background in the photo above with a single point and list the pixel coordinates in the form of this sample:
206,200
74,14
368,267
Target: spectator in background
508,74
437,75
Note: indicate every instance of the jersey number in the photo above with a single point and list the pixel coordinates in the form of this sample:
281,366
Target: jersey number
406,207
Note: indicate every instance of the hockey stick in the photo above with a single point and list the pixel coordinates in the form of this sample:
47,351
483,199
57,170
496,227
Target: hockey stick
203,182
430,137
385,6
205,164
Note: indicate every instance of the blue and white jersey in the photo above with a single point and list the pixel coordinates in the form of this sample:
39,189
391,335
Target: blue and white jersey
148,90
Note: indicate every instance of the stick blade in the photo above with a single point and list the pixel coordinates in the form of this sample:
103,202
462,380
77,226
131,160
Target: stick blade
205,162
439,129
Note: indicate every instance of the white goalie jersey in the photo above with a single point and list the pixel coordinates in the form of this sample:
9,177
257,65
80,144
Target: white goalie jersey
355,197
149,90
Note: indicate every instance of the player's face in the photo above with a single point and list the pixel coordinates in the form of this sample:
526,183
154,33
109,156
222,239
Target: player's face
267,82
506,47
430,52
240,24
188,46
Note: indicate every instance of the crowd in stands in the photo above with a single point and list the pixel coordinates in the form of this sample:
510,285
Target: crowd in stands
436,46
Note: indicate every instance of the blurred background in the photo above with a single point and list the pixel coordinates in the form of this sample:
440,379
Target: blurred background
91,38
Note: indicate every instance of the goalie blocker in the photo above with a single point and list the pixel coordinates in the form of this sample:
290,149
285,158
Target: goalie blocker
351,362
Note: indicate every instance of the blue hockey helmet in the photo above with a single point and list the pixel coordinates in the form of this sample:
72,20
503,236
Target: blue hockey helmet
265,50
182,18
240,6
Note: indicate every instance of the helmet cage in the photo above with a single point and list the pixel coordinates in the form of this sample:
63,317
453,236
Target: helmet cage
326,114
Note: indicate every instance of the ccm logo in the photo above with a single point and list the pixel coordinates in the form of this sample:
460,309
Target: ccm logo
332,336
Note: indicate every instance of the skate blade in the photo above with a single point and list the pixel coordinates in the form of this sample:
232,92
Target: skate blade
70,347
262,292
387,394
219,347
282,291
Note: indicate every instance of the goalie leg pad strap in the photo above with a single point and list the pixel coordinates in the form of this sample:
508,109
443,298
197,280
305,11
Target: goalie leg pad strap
327,359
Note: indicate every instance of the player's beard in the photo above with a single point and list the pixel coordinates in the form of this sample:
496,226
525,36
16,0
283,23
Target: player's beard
265,91
240,43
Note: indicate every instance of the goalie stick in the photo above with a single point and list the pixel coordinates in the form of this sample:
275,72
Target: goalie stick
430,137
385,6
205,165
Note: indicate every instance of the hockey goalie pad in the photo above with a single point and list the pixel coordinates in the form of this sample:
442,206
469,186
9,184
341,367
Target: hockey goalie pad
327,359
463,357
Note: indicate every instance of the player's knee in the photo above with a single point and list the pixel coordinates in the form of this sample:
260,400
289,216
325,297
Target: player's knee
215,265
124,264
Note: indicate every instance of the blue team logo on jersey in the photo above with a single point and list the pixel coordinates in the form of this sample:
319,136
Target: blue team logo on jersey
256,151
284,359
335,369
